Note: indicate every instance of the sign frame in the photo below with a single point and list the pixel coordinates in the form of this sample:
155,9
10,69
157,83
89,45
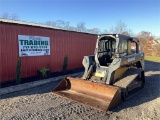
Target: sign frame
33,45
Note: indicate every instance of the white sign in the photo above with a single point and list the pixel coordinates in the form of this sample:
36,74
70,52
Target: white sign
33,45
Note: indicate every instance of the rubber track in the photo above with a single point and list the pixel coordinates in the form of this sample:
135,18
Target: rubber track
126,80
130,75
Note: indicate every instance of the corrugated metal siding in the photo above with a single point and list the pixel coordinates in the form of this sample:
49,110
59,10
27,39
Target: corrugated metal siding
0,53
73,44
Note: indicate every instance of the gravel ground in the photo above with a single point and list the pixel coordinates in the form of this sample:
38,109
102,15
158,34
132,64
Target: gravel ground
39,103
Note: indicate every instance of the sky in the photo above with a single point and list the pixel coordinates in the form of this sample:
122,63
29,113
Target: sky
138,15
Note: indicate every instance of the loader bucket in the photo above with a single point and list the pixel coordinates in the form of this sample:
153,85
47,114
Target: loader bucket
99,96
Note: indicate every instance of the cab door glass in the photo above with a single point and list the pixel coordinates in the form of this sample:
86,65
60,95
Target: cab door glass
133,47
123,48
102,46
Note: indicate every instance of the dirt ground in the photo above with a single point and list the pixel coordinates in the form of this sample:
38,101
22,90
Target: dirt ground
39,103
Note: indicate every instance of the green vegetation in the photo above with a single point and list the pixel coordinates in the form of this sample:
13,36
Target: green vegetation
65,64
152,58
44,71
18,71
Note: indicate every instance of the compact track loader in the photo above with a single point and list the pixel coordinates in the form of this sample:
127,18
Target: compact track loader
114,73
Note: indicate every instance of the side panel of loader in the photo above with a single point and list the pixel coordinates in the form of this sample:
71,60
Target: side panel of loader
102,97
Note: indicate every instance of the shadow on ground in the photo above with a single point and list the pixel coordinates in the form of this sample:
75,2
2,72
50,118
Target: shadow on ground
150,92
45,88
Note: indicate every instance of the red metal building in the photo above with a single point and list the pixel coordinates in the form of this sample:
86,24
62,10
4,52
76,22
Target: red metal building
62,42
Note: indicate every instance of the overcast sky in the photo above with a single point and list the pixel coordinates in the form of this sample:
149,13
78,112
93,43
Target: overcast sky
138,15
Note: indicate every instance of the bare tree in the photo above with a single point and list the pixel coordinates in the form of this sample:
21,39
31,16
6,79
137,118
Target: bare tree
5,15
67,25
105,31
156,50
130,32
111,30
81,27
94,31
144,37
72,28
125,33
119,28
13,16
49,23
60,23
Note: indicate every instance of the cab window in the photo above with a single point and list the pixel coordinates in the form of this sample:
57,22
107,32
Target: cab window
123,48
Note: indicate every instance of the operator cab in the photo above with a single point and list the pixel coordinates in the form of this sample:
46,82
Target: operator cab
110,46
106,50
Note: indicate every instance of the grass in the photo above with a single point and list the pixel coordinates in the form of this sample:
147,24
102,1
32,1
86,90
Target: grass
152,58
